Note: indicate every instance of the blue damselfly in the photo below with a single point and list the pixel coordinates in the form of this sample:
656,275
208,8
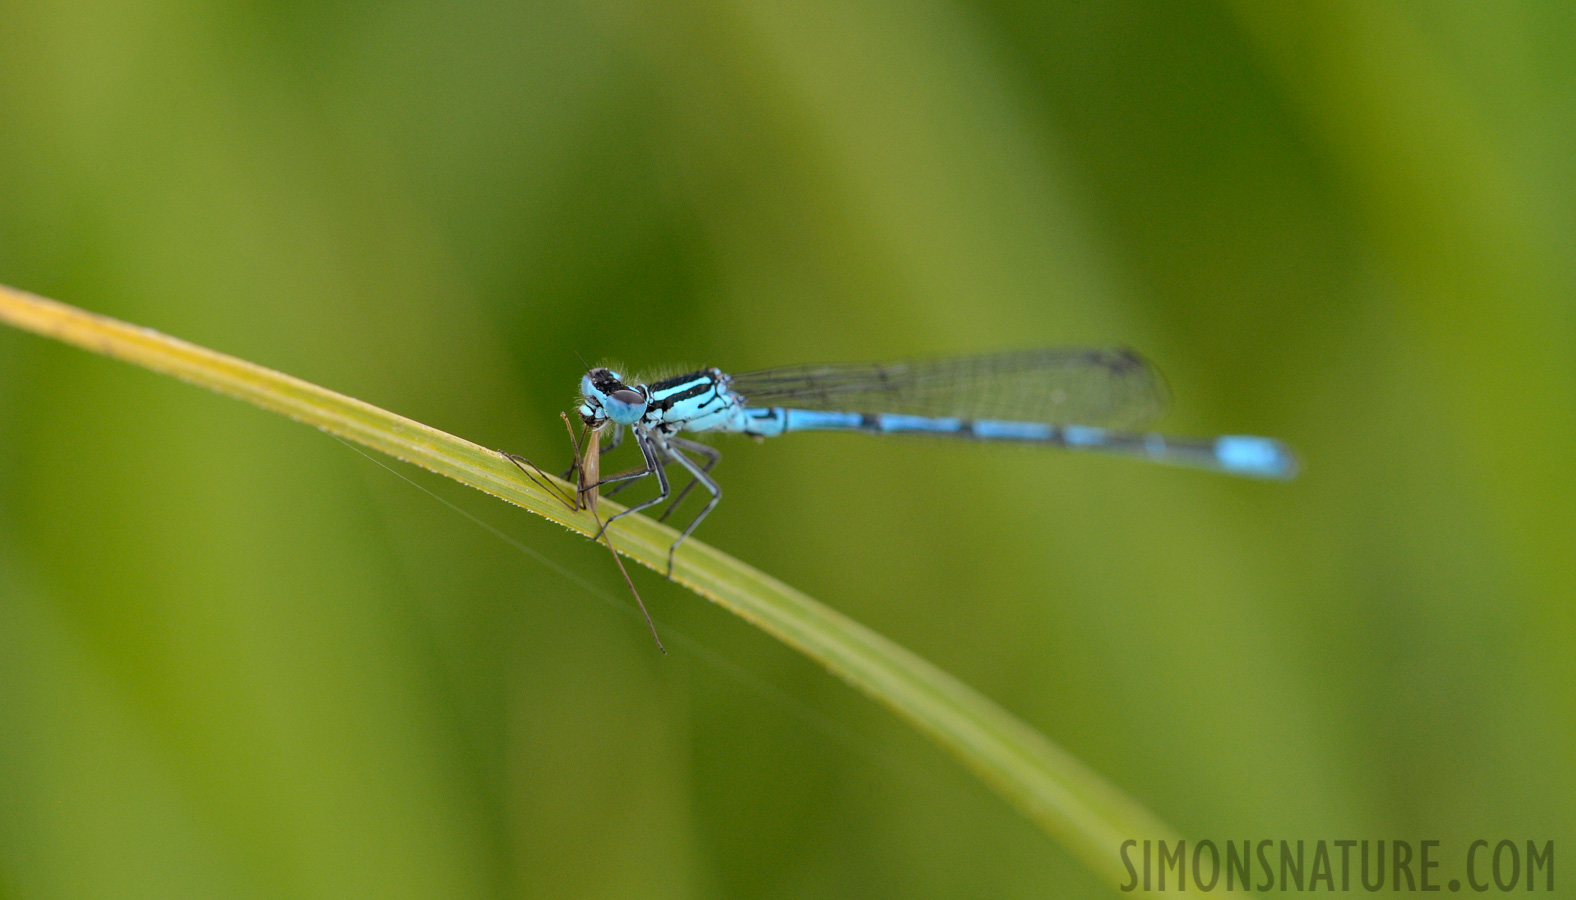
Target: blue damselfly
1084,399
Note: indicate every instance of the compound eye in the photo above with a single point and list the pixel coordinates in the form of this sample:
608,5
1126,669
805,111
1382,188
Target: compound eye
624,405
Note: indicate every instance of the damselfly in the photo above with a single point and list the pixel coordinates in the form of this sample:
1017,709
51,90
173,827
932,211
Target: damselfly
1092,400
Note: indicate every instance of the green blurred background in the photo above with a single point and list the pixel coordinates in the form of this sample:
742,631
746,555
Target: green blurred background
238,659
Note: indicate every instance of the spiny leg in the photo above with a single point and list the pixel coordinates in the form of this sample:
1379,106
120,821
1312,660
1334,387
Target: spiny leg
663,459
615,491
653,464
705,481
648,448
711,453
625,479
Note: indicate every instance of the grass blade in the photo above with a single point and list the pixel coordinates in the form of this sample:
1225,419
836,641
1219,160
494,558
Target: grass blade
1061,795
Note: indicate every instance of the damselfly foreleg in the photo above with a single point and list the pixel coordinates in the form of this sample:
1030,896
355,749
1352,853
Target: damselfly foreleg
648,448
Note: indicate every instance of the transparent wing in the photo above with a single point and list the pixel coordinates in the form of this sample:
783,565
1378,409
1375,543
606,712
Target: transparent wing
1111,387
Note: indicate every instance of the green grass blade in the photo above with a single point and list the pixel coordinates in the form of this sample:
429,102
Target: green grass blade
1061,795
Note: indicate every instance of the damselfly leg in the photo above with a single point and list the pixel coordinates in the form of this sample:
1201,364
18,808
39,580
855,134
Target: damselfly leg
659,452
711,453
702,478
650,450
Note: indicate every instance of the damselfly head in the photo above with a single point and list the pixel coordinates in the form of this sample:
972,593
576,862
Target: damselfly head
605,397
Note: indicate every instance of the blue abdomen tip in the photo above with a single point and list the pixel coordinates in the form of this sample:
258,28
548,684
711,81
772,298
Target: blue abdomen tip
1255,456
